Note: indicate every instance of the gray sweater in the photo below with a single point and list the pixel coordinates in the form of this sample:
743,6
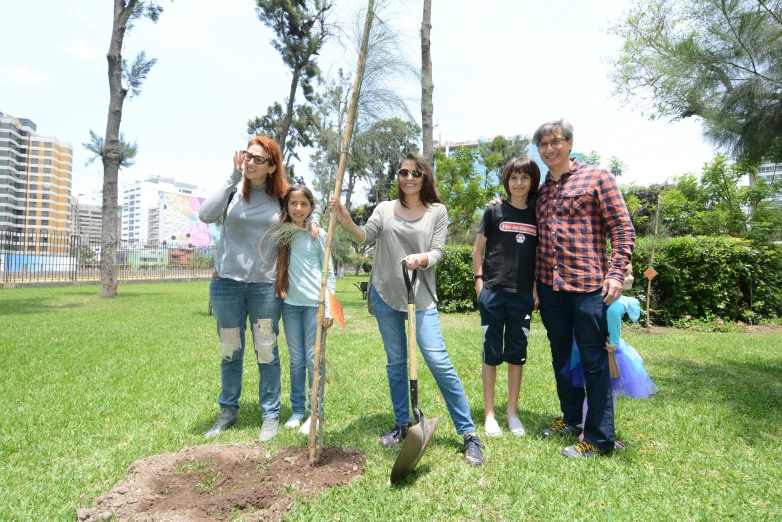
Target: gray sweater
396,238
243,230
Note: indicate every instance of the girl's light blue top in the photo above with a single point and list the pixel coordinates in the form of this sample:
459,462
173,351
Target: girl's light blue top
305,269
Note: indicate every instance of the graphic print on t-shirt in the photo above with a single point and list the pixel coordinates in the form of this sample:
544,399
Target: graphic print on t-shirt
520,228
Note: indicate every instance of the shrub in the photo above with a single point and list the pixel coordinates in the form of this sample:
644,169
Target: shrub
455,285
711,277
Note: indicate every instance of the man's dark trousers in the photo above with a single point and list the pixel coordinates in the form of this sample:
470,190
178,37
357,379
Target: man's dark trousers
582,314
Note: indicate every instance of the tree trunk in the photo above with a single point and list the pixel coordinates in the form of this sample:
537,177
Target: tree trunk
427,87
286,123
352,178
111,156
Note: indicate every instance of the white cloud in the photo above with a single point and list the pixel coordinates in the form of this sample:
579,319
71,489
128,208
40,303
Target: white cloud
81,52
24,75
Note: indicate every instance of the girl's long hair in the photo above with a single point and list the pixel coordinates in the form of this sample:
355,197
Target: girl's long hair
277,181
285,240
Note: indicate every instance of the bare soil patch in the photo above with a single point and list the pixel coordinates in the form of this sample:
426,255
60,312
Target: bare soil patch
222,482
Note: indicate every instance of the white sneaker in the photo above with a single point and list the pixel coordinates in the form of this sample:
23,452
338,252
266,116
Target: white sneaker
516,427
305,428
491,428
294,421
269,429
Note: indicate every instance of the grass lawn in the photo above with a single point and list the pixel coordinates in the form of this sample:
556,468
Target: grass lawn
90,385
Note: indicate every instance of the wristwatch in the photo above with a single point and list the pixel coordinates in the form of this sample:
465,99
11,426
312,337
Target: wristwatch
475,277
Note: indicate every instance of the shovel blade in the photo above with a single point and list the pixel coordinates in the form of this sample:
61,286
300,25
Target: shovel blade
418,438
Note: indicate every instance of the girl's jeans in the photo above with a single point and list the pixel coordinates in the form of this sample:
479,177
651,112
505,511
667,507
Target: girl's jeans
232,303
300,324
430,342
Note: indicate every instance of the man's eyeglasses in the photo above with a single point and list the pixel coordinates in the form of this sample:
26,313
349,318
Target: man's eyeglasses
556,142
405,173
249,158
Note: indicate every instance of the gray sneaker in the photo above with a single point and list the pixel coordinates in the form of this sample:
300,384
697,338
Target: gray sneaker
269,429
227,418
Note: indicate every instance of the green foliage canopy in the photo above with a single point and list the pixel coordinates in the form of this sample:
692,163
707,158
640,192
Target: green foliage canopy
718,60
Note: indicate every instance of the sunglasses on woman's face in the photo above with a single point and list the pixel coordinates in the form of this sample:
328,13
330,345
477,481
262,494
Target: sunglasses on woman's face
405,173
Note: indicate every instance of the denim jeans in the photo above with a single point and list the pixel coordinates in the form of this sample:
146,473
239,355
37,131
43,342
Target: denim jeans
232,303
566,314
430,342
300,324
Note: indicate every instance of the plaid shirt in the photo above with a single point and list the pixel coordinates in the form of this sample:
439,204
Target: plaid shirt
575,215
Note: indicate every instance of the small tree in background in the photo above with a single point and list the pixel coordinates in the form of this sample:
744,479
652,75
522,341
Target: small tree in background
301,27
124,78
462,192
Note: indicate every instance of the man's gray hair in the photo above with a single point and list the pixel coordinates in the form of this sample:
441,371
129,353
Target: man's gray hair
549,129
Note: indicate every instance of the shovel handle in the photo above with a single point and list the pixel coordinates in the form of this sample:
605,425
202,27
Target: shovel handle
411,337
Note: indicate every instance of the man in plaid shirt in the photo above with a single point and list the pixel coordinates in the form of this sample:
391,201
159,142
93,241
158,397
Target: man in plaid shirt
578,207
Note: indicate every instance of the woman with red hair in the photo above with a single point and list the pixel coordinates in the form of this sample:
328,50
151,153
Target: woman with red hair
243,283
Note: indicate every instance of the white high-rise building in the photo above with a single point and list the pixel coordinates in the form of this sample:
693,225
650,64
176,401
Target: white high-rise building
772,172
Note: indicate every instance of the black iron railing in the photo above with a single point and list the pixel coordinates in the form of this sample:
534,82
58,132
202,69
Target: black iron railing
65,257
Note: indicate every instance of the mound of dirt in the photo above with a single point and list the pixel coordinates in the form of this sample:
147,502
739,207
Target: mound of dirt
221,481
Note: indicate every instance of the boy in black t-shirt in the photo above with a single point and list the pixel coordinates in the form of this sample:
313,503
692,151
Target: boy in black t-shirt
505,284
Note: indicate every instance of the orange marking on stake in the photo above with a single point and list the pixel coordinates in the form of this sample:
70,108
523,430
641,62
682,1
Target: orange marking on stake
335,307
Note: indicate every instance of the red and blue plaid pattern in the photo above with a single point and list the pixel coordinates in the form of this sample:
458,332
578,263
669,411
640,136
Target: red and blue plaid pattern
575,216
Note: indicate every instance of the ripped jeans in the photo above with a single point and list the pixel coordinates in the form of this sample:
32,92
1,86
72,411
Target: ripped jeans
232,303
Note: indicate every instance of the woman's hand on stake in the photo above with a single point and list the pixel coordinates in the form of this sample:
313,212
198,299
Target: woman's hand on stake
343,216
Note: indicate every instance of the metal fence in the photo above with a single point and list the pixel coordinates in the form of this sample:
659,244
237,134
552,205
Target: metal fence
64,257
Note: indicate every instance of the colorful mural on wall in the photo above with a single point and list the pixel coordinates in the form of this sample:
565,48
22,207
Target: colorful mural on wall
179,220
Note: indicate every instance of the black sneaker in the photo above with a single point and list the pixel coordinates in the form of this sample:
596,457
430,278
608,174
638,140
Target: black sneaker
395,435
561,429
226,419
472,450
585,450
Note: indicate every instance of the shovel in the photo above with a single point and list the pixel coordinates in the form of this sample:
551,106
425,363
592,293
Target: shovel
418,436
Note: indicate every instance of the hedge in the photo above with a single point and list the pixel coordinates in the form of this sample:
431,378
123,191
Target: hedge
701,277
709,277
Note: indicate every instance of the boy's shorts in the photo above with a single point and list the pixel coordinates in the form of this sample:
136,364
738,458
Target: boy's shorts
508,312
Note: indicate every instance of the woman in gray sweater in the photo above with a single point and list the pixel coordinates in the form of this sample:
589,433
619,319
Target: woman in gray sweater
412,229
246,264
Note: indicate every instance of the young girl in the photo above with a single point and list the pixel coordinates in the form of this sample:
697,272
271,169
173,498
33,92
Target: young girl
633,381
504,282
299,268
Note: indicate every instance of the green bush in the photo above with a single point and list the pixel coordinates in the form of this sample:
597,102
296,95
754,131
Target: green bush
455,285
710,277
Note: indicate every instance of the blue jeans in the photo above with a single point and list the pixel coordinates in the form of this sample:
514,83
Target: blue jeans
430,342
232,303
300,324
566,314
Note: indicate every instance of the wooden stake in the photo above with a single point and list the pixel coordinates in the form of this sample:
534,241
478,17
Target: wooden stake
651,262
343,157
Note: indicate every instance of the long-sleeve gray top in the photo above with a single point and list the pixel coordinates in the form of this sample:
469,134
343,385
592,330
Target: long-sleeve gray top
245,226
395,238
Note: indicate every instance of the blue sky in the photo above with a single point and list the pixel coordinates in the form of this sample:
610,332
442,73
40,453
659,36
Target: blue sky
500,67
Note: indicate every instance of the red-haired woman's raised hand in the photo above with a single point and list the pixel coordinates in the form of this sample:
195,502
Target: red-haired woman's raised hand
238,160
